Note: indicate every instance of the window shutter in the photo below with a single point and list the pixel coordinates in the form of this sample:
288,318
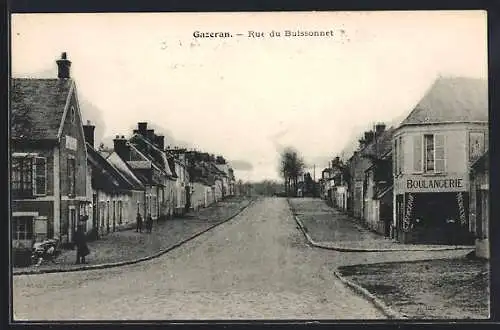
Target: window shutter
439,156
417,153
401,154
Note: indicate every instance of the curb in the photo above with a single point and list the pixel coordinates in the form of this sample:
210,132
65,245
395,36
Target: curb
130,262
386,310
341,248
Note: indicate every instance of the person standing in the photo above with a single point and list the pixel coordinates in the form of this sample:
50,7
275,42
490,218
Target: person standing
149,223
82,249
139,223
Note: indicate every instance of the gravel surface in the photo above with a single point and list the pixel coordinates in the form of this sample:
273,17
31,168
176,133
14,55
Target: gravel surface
437,289
256,266
129,245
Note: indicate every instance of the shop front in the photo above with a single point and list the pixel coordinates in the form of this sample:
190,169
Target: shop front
432,210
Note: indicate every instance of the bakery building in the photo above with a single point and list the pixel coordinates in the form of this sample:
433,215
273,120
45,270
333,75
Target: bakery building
433,150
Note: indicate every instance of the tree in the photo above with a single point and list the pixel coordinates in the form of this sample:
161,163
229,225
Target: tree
291,167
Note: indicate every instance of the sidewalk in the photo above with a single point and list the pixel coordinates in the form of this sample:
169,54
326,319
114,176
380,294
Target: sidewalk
327,228
128,246
431,289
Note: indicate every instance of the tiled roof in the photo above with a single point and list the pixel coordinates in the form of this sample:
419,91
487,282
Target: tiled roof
452,99
104,175
381,145
40,104
153,153
124,170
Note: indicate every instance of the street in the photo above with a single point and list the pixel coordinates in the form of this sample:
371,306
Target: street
256,266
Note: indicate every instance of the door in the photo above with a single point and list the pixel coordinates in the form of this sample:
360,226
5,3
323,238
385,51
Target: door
72,223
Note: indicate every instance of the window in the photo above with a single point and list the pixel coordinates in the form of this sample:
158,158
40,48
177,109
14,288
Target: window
72,114
430,158
429,152
476,145
22,180
29,176
22,228
71,177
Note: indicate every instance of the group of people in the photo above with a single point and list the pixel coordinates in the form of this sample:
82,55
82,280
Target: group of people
149,223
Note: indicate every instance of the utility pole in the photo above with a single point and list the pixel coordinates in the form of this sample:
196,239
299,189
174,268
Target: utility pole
314,172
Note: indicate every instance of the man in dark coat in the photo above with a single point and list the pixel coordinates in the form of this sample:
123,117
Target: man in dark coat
149,223
82,249
139,223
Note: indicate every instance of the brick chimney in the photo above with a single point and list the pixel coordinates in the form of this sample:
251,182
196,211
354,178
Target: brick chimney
88,131
142,128
121,147
151,135
160,142
63,66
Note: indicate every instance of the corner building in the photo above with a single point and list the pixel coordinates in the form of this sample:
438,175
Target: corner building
433,150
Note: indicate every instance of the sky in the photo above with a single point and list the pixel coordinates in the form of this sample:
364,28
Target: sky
249,98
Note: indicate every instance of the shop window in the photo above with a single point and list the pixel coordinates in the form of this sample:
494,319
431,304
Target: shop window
22,228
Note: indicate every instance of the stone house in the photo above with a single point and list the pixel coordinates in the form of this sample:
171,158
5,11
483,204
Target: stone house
49,160
115,199
378,185
433,149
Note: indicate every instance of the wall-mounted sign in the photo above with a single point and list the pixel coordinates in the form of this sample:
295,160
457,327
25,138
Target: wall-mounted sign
416,183
71,143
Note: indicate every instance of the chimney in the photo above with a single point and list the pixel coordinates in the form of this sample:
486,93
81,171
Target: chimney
63,66
379,128
160,141
151,135
369,137
121,147
88,132
142,128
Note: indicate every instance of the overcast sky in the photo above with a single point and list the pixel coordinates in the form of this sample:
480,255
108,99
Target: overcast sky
248,98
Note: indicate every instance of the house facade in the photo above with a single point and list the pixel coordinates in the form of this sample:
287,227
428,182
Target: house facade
479,205
378,184
49,170
432,152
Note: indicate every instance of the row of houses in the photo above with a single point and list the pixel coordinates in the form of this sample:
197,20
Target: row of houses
425,180
59,176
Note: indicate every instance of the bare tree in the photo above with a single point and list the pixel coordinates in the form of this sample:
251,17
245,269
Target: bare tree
291,167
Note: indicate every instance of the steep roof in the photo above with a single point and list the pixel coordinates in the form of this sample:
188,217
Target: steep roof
452,99
40,105
125,171
153,153
104,175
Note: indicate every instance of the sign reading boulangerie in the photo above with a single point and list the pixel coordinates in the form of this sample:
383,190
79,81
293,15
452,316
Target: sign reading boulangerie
451,183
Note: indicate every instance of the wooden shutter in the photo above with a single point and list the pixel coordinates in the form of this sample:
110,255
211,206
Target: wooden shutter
417,153
439,154
39,176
